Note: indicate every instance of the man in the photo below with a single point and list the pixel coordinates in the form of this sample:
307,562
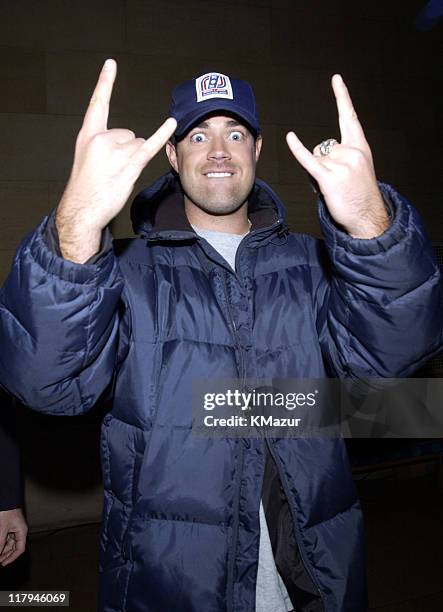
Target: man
216,287
13,527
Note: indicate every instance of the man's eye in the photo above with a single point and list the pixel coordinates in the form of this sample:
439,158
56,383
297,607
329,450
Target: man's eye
236,136
199,137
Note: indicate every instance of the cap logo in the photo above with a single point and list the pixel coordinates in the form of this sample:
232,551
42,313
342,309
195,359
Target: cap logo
213,85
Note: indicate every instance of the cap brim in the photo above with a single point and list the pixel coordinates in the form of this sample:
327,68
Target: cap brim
209,107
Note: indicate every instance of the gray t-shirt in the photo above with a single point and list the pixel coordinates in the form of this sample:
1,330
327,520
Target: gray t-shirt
271,594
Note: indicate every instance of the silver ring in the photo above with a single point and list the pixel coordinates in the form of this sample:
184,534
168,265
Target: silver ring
326,146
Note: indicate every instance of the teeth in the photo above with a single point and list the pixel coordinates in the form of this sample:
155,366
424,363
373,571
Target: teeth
218,174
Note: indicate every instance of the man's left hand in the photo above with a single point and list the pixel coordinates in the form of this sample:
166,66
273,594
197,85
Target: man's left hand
346,176
13,532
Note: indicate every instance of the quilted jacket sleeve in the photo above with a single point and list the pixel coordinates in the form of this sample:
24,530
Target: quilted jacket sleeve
59,327
381,312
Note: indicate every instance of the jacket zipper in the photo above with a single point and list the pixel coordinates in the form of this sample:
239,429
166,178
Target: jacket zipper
234,332
235,526
301,548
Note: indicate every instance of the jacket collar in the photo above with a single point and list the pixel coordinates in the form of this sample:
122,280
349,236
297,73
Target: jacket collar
158,211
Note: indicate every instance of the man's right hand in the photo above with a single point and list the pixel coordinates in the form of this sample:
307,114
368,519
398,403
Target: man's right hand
13,532
106,165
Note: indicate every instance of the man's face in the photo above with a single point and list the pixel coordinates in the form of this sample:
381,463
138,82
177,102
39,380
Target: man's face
216,162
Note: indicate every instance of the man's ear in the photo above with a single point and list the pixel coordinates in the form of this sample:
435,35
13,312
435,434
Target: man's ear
172,155
258,145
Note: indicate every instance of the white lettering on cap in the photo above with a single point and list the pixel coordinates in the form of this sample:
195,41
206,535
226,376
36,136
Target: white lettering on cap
213,85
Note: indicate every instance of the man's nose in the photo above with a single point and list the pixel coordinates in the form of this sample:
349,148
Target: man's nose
219,149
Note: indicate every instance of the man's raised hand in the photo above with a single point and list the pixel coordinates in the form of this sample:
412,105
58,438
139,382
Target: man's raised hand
346,176
106,165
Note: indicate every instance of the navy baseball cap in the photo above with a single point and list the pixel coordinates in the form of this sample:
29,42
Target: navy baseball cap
213,91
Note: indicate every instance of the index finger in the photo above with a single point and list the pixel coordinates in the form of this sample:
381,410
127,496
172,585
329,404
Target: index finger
96,116
350,128
11,556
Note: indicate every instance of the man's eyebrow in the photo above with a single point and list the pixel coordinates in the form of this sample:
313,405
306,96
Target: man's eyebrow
204,125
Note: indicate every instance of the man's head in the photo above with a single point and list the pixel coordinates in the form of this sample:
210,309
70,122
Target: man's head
217,142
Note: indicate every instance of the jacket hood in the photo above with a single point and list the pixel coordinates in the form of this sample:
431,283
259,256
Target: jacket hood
160,207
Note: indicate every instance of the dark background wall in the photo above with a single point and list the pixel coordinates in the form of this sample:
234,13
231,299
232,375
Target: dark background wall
50,55
51,52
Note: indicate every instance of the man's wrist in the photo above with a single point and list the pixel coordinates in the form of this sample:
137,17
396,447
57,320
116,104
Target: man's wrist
372,224
78,241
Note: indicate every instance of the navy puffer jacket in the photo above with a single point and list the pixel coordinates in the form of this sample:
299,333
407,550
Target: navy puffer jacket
181,523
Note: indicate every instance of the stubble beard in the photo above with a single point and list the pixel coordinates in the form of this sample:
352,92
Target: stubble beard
217,203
